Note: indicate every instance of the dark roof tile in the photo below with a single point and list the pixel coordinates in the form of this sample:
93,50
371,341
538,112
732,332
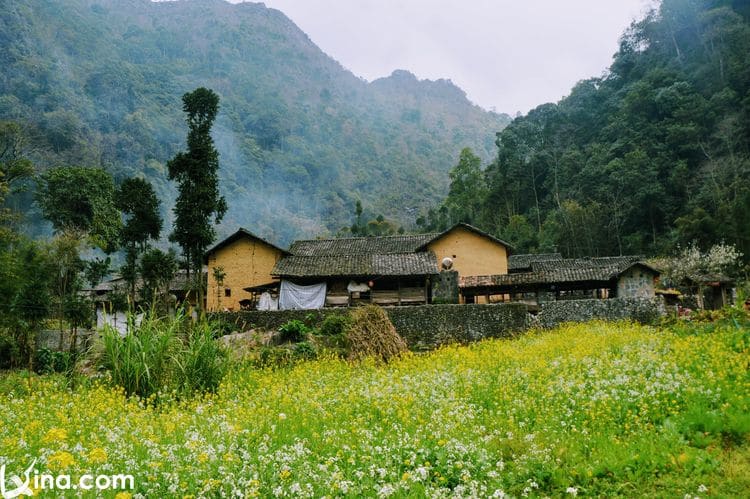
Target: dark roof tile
363,265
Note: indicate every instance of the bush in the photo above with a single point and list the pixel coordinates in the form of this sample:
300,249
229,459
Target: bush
49,361
334,325
294,331
372,334
305,350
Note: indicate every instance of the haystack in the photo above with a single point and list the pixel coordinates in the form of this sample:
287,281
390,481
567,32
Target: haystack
372,334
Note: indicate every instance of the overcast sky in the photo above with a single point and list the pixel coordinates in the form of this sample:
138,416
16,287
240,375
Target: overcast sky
510,55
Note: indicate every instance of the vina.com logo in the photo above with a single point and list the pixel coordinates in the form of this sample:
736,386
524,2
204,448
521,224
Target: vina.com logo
33,481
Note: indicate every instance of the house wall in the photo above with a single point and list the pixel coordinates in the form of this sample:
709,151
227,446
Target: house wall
472,254
247,262
636,282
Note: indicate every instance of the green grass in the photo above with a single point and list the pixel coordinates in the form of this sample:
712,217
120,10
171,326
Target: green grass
592,409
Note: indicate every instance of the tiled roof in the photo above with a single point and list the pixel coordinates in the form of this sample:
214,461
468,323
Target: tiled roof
364,265
614,263
555,275
382,245
523,262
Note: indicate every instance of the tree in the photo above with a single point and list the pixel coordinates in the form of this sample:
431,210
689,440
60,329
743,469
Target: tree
80,201
196,172
468,188
136,199
14,168
158,269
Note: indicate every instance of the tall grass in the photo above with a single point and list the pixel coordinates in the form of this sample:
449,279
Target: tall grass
139,361
162,354
202,361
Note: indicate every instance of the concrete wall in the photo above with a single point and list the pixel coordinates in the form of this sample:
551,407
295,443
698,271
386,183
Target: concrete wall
247,262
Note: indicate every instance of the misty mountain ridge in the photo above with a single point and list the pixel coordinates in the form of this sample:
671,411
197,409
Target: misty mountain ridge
99,82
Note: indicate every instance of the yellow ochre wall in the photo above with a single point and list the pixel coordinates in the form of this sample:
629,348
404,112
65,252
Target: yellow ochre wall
472,254
247,262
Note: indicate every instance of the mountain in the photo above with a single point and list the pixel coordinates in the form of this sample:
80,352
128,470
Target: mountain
654,154
99,82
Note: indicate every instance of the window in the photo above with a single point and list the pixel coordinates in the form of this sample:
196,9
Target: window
227,292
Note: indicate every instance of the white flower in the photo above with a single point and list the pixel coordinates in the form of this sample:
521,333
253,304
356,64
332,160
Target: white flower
282,416
499,493
702,488
572,491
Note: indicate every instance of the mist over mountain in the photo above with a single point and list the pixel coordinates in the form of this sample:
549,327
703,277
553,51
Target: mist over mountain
99,82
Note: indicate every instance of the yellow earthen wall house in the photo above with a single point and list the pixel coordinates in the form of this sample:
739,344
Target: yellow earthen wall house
247,261
473,252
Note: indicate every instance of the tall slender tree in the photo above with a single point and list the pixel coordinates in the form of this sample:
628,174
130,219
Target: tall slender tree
136,199
199,204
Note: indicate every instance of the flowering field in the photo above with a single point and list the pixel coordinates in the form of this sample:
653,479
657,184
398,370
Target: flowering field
593,409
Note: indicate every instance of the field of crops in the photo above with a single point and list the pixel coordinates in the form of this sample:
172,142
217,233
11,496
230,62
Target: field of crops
592,409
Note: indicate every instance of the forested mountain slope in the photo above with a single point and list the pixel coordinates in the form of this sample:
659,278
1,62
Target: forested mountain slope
653,154
98,82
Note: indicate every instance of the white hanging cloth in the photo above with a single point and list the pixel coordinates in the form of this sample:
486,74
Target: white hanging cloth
267,302
295,297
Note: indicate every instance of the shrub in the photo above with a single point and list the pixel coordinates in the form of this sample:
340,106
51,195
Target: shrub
49,361
305,350
372,334
334,325
294,331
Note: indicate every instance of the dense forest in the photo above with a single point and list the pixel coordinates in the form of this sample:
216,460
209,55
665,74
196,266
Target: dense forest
652,155
301,139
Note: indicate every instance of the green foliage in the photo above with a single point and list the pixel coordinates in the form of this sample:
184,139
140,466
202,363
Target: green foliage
81,201
157,268
274,357
377,226
9,351
305,350
140,361
294,331
199,204
137,201
300,137
159,354
50,361
334,325
468,189
654,153
203,361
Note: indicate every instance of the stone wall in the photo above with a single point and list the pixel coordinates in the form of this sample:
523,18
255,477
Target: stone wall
644,310
428,326
423,327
